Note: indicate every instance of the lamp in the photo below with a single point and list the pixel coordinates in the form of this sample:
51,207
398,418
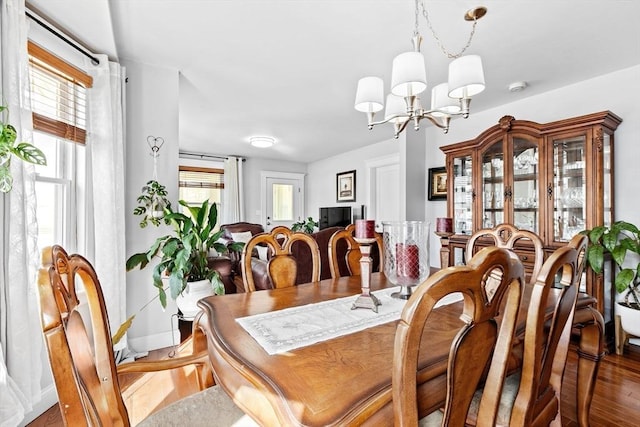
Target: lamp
262,141
408,81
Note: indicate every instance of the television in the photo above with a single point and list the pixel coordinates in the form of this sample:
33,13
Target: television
335,216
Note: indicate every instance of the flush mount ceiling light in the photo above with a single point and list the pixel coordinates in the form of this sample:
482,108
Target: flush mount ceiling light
408,80
262,141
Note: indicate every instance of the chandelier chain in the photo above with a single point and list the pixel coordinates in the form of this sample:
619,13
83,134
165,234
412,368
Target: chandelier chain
435,36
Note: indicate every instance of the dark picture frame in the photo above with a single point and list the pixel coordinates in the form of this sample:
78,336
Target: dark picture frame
346,186
437,184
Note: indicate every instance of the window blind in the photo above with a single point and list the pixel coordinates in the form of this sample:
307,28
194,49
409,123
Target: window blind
58,95
211,178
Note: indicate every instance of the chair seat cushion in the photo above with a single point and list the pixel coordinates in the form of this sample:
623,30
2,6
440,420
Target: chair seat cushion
211,406
509,392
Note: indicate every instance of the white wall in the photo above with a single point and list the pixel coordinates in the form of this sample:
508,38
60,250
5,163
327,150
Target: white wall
615,92
321,178
152,109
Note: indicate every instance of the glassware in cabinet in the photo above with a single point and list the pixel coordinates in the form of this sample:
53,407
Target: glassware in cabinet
463,195
569,178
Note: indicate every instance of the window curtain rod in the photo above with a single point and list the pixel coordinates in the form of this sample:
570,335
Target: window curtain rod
209,156
70,42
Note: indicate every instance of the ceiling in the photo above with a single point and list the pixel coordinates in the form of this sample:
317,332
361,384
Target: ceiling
289,68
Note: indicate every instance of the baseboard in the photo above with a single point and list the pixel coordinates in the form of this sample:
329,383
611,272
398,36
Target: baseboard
155,341
49,398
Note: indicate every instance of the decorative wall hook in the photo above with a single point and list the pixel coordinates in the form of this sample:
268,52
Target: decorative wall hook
155,143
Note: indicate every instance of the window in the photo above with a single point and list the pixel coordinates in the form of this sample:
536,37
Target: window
282,202
197,184
58,101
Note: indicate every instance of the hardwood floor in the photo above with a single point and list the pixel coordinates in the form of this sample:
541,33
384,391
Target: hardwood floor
143,393
616,400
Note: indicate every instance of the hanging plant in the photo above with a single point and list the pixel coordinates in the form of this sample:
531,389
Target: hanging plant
153,203
23,150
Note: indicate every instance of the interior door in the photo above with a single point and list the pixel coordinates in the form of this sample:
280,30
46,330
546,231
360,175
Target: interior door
283,197
386,203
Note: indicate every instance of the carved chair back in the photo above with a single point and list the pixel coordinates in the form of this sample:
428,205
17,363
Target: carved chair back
353,254
83,365
80,346
492,279
507,236
547,341
282,266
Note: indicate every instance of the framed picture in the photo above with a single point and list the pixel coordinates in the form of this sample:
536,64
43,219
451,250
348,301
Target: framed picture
346,186
437,184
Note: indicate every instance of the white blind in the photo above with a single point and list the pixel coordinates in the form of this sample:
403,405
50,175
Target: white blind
213,178
58,96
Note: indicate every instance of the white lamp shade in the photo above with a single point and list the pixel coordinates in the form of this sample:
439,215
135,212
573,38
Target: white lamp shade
369,95
466,77
441,101
408,75
396,105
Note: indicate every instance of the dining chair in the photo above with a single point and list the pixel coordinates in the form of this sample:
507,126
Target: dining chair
535,390
80,347
508,236
282,266
588,321
352,255
490,276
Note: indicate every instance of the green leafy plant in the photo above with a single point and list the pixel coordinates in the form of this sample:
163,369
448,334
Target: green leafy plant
152,203
183,254
22,150
620,239
307,225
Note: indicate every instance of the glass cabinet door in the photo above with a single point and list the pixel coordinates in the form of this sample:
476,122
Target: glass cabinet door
462,195
493,195
569,178
524,192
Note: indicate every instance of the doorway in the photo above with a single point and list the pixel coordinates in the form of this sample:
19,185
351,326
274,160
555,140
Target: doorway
282,198
384,194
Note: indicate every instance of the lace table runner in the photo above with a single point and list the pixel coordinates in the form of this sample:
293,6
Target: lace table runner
284,330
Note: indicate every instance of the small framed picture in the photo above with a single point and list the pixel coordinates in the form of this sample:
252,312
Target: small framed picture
346,186
437,184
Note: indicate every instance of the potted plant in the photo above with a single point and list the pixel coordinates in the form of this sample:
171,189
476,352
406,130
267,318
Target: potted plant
306,226
622,241
23,150
152,203
184,256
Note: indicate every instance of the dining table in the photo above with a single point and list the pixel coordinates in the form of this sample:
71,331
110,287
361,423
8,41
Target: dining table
344,379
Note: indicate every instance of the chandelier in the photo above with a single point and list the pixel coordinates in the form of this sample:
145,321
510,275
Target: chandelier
408,81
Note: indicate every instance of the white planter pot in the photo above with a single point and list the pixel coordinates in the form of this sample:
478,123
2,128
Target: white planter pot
630,319
187,302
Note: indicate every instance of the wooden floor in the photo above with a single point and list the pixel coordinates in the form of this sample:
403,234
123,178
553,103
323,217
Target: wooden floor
616,401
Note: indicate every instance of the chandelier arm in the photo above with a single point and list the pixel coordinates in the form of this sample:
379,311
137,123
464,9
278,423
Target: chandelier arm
444,126
388,119
399,127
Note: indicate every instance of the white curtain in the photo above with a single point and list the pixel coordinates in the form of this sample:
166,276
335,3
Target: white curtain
20,331
233,201
105,141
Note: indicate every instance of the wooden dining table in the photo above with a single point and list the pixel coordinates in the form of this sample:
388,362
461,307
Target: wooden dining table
340,381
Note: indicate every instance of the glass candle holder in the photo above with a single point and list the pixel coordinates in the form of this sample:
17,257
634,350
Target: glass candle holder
406,254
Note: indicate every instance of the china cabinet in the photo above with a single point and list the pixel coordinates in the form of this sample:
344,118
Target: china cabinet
554,179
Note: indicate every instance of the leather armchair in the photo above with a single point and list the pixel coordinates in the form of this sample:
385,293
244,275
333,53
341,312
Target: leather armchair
230,229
